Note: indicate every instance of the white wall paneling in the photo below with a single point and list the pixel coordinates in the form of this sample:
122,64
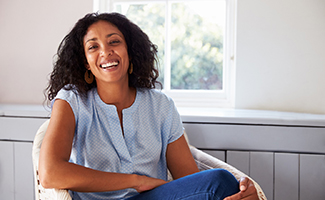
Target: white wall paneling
312,177
18,128
16,170
285,156
6,170
261,170
256,137
14,128
286,176
240,160
221,155
24,182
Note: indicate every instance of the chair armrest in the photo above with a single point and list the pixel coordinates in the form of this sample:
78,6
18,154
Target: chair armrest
54,194
205,161
40,192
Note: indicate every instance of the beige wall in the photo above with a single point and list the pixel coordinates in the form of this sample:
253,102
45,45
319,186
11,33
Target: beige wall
281,55
31,31
280,51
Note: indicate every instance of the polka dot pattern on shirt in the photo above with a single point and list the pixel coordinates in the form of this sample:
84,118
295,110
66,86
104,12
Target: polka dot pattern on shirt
149,125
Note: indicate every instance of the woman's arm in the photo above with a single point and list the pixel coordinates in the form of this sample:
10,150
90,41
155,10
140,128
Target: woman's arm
55,170
180,161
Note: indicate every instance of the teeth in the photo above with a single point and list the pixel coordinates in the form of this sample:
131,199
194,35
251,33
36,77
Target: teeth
107,65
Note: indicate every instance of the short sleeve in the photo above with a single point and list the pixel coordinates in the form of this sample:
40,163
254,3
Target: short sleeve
71,97
176,128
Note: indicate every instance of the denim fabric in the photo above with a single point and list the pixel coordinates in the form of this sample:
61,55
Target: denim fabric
210,184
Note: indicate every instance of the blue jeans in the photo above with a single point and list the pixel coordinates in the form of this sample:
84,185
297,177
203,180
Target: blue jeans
209,184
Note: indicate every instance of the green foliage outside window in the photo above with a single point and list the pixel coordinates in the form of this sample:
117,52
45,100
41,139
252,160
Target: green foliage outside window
196,44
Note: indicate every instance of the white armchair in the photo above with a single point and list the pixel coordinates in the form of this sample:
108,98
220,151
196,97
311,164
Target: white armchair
203,160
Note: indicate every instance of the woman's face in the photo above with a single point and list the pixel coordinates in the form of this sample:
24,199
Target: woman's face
106,53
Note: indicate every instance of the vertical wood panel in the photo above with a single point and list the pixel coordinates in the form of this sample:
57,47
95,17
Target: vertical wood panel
6,171
217,154
312,177
19,128
286,176
24,184
239,160
261,170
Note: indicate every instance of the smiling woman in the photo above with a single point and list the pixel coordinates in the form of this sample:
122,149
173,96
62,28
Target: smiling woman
115,136
108,59
70,66
106,54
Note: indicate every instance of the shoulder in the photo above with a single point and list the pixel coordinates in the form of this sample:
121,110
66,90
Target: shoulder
71,92
66,92
156,101
77,101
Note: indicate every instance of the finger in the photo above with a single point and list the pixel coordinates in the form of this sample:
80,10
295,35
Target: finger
243,183
242,196
249,193
236,196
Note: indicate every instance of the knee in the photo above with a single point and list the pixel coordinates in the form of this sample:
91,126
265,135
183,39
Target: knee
217,172
222,182
222,176
221,173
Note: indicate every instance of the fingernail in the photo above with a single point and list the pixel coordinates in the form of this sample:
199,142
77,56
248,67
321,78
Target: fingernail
242,187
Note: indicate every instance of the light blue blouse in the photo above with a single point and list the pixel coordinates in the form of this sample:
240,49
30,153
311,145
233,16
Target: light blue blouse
150,124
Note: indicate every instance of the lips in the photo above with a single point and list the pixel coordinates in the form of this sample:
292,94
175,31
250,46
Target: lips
109,65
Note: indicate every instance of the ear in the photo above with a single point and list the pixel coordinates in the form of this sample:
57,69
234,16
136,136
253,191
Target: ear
87,65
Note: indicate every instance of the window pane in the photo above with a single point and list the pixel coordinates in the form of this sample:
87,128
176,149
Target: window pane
197,31
151,19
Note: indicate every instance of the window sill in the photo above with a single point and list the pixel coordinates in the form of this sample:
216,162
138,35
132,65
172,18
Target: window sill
198,115
256,117
20,110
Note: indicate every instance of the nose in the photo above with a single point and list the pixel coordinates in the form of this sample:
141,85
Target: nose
106,51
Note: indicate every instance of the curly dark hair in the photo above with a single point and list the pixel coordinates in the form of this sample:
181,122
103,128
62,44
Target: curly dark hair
69,68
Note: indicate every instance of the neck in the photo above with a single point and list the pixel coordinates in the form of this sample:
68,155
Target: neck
122,96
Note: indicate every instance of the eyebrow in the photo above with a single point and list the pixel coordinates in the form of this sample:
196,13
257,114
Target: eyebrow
107,36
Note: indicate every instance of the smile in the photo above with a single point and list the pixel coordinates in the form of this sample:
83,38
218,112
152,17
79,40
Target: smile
109,65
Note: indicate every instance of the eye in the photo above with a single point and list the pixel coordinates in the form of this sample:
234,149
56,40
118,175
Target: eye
114,42
92,47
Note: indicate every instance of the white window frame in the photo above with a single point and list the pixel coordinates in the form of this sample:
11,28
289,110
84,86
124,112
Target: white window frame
224,98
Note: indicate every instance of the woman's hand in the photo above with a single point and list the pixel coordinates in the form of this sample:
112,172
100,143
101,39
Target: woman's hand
146,183
247,190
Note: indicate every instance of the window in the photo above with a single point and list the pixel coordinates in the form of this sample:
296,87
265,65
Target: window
195,40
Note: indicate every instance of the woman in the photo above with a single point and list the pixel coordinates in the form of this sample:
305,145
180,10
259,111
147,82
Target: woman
111,135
